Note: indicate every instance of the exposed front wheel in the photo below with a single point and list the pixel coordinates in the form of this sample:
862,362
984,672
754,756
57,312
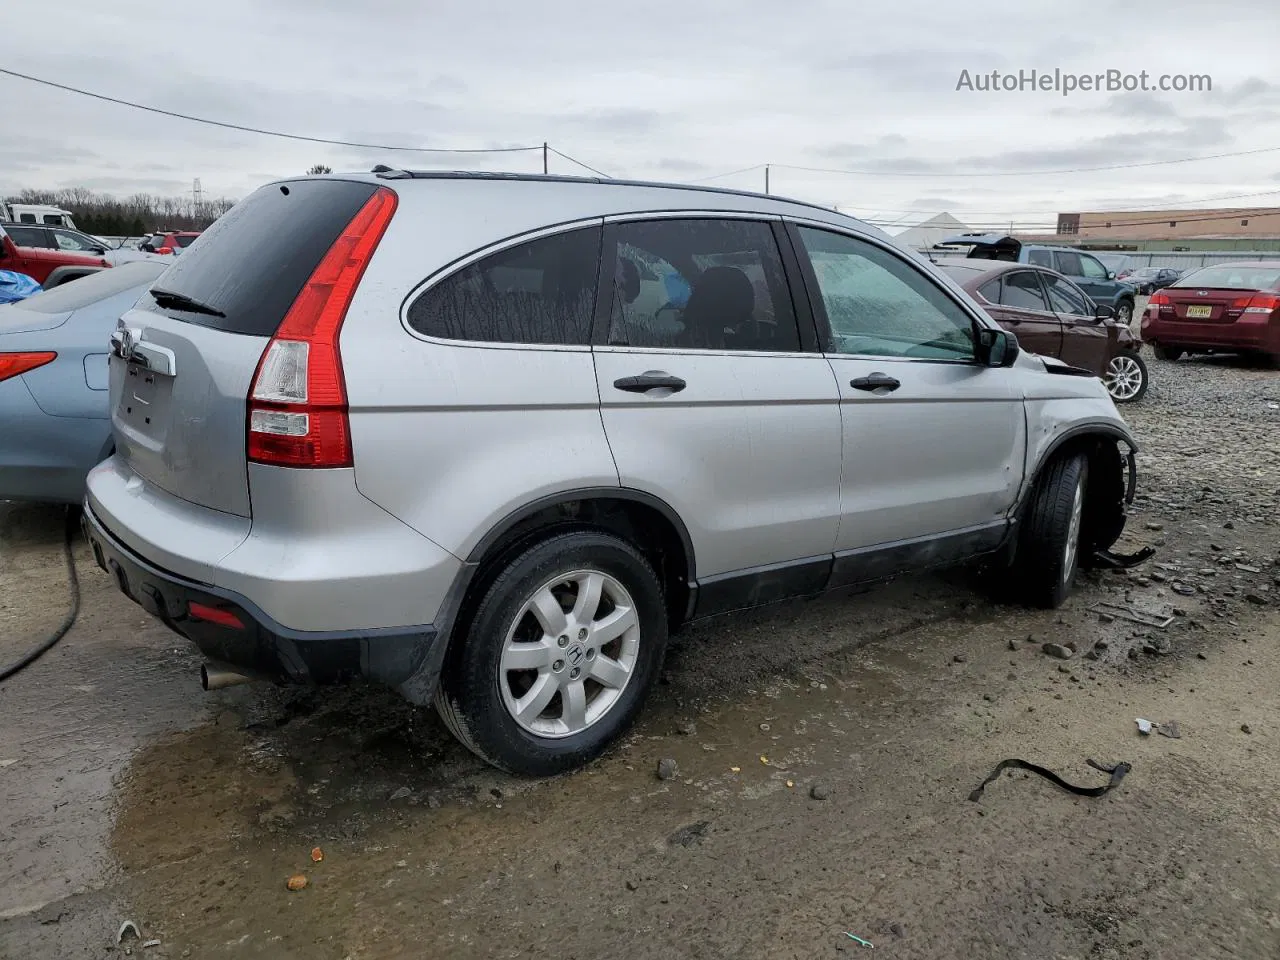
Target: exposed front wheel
1048,553
1124,312
1126,377
1169,353
559,655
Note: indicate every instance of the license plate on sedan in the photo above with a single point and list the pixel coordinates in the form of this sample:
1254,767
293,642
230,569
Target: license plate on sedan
1199,312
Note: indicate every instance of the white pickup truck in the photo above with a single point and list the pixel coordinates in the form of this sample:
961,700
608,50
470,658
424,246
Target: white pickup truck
36,213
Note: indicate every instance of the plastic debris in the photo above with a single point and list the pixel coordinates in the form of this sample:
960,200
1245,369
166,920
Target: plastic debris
1144,726
1116,772
735,769
150,943
790,784
125,928
296,882
764,759
1133,614
857,939
316,854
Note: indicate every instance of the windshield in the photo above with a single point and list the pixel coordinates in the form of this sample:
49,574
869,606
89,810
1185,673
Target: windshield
1227,276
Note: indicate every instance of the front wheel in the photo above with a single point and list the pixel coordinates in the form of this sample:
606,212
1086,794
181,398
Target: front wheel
559,656
1048,552
1126,378
1124,312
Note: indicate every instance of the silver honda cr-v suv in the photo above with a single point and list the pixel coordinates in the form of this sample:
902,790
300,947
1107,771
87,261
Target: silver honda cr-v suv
487,439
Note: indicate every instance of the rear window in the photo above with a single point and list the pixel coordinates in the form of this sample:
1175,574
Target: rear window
27,236
183,241
1228,277
96,286
256,256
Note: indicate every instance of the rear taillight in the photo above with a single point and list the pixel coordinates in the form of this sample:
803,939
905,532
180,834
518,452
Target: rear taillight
298,403
1260,303
1158,300
16,364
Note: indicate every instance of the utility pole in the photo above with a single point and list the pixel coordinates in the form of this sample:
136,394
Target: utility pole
766,178
197,198
544,158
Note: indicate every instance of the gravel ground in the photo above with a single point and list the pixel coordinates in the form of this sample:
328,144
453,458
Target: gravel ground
823,754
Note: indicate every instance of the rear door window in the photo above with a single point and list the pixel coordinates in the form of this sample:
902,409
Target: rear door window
1022,290
28,236
1069,263
257,256
1041,258
699,284
539,292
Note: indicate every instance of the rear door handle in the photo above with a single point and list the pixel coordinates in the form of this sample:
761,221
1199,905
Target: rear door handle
877,381
650,380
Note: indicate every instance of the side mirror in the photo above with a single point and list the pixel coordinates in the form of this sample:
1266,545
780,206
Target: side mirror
98,250
1111,274
996,348
1102,311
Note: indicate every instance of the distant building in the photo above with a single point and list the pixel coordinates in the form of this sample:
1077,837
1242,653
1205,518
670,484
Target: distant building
1232,230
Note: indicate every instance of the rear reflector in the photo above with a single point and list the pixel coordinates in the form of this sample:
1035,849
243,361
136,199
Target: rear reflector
298,403
223,618
15,364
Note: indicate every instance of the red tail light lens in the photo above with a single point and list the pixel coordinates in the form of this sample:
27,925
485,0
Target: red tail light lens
1261,303
298,404
1158,299
16,364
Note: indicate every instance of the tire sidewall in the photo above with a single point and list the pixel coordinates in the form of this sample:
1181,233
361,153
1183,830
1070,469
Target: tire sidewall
473,681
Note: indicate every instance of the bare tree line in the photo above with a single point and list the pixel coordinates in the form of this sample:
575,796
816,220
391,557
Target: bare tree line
106,215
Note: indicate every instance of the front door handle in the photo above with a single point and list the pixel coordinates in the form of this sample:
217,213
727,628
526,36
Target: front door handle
877,381
650,380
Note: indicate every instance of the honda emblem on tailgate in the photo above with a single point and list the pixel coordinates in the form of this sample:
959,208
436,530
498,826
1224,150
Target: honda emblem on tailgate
123,339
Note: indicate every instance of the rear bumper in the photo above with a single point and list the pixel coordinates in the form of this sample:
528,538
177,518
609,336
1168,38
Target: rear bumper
406,659
1261,335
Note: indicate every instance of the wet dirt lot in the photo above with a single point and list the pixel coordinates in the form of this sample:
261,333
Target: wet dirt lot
126,793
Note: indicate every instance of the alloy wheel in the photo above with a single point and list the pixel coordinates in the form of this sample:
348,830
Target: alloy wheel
1123,378
569,654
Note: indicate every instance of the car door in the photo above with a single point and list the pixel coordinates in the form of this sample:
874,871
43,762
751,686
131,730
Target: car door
711,403
1084,336
933,442
1020,306
73,242
1088,273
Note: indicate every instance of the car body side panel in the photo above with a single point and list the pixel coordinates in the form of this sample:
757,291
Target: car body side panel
452,438
44,458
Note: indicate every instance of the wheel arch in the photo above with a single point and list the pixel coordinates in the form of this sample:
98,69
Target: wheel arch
1112,478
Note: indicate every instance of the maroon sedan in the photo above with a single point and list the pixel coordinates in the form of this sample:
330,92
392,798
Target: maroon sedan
1053,317
1228,307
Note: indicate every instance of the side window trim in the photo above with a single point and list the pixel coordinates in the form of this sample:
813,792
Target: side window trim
458,264
800,306
819,309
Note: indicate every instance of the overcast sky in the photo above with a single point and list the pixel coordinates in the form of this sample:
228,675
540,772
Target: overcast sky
658,89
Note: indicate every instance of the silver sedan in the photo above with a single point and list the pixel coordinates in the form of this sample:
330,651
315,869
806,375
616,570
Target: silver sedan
55,423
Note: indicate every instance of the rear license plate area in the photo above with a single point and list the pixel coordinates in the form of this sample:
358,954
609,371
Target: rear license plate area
1199,312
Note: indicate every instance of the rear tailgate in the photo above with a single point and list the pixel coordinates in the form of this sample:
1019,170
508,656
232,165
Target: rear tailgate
186,355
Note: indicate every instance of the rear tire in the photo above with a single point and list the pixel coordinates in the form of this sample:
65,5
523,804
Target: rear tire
1169,353
553,667
1124,312
1048,553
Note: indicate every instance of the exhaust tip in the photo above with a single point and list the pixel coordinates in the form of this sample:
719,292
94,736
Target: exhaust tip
215,676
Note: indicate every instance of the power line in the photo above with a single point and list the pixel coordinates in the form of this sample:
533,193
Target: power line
731,173
579,163
259,130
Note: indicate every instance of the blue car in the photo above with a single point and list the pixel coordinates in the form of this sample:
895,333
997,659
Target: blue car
55,422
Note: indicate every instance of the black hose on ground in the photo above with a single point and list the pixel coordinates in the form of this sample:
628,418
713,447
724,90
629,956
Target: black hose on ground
73,586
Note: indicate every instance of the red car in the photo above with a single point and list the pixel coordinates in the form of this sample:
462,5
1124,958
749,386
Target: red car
171,242
44,265
1227,307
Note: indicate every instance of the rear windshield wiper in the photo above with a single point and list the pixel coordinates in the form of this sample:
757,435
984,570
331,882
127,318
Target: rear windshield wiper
180,301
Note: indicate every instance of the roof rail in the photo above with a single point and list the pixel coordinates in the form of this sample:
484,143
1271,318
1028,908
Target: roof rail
393,173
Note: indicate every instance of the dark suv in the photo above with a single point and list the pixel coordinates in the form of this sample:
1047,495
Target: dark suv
1087,271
